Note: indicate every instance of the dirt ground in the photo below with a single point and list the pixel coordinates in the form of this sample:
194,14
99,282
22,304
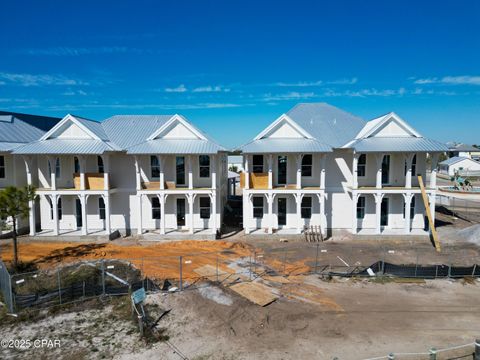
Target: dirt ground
312,319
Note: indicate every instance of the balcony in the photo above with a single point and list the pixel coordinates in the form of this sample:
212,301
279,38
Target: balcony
93,181
168,185
257,180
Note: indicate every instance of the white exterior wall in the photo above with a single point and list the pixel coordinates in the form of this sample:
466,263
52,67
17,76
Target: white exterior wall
466,164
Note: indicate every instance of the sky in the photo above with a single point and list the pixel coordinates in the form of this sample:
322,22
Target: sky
233,67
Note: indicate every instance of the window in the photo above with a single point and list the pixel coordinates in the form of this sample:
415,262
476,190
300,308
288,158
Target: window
386,170
205,208
361,207
154,167
100,166
282,170
76,165
257,163
2,167
156,208
60,212
204,162
306,207
414,165
412,208
307,165
258,207
57,168
101,208
180,166
362,165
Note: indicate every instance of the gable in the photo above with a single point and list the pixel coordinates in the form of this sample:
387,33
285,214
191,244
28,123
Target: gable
391,126
176,130
70,130
283,130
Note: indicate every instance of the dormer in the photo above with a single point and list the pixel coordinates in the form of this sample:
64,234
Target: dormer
390,125
284,128
177,128
70,128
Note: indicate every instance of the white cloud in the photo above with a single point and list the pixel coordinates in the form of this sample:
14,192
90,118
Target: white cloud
217,88
39,79
193,106
179,89
78,51
450,80
74,92
350,81
300,84
288,96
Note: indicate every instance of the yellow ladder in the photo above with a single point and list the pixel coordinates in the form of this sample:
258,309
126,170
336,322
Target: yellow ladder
429,214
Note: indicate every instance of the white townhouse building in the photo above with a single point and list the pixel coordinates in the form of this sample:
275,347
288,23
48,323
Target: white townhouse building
317,165
154,174
16,130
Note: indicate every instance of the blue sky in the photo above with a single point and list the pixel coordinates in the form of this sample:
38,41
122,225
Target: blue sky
232,67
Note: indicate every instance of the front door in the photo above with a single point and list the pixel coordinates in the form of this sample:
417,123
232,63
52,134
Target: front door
282,170
180,212
282,211
78,213
384,212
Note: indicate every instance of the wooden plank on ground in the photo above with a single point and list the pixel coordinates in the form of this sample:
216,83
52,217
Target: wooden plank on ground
276,279
210,272
429,214
257,293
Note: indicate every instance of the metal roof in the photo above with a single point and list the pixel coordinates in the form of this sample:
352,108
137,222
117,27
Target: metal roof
9,146
455,159
66,146
326,123
463,148
397,144
171,146
278,145
94,126
15,130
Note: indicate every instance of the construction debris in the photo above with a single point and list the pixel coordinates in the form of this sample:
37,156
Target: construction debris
255,292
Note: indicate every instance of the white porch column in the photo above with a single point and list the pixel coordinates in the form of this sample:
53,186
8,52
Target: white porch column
83,201
270,171
355,170
106,172
378,213
323,218
298,198
54,198
408,201
190,172
323,160
408,175
82,162
247,172
213,198
379,158
270,198
191,200
214,160
31,204
106,200
433,173
354,213
247,212
138,177
161,161
431,200
53,179
162,198
299,171
140,210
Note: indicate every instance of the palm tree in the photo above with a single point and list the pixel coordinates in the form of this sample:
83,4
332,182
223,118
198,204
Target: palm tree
15,204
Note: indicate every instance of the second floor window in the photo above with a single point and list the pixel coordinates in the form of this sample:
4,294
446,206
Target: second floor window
362,165
205,208
258,207
361,207
156,214
306,207
100,167
57,168
2,167
180,170
101,208
307,164
257,163
76,165
204,163
154,167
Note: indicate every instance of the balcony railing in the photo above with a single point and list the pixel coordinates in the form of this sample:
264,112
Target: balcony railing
93,181
257,180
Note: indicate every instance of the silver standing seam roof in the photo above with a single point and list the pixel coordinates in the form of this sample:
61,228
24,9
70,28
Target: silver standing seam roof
125,133
455,159
397,144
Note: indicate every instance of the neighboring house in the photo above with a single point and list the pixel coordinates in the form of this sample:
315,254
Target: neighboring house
318,165
235,161
462,164
154,173
18,129
463,150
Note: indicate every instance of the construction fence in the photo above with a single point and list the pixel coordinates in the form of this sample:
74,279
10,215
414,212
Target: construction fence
463,208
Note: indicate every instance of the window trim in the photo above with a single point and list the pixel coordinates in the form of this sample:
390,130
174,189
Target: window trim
362,165
306,208
361,207
204,207
307,165
200,166
102,213
154,167
258,207
156,209
3,171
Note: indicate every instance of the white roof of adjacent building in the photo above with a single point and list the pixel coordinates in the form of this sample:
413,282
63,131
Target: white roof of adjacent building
133,134
457,159
462,147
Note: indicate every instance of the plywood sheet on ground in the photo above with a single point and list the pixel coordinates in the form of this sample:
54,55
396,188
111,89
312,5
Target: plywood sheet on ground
213,274
276,279
257,293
